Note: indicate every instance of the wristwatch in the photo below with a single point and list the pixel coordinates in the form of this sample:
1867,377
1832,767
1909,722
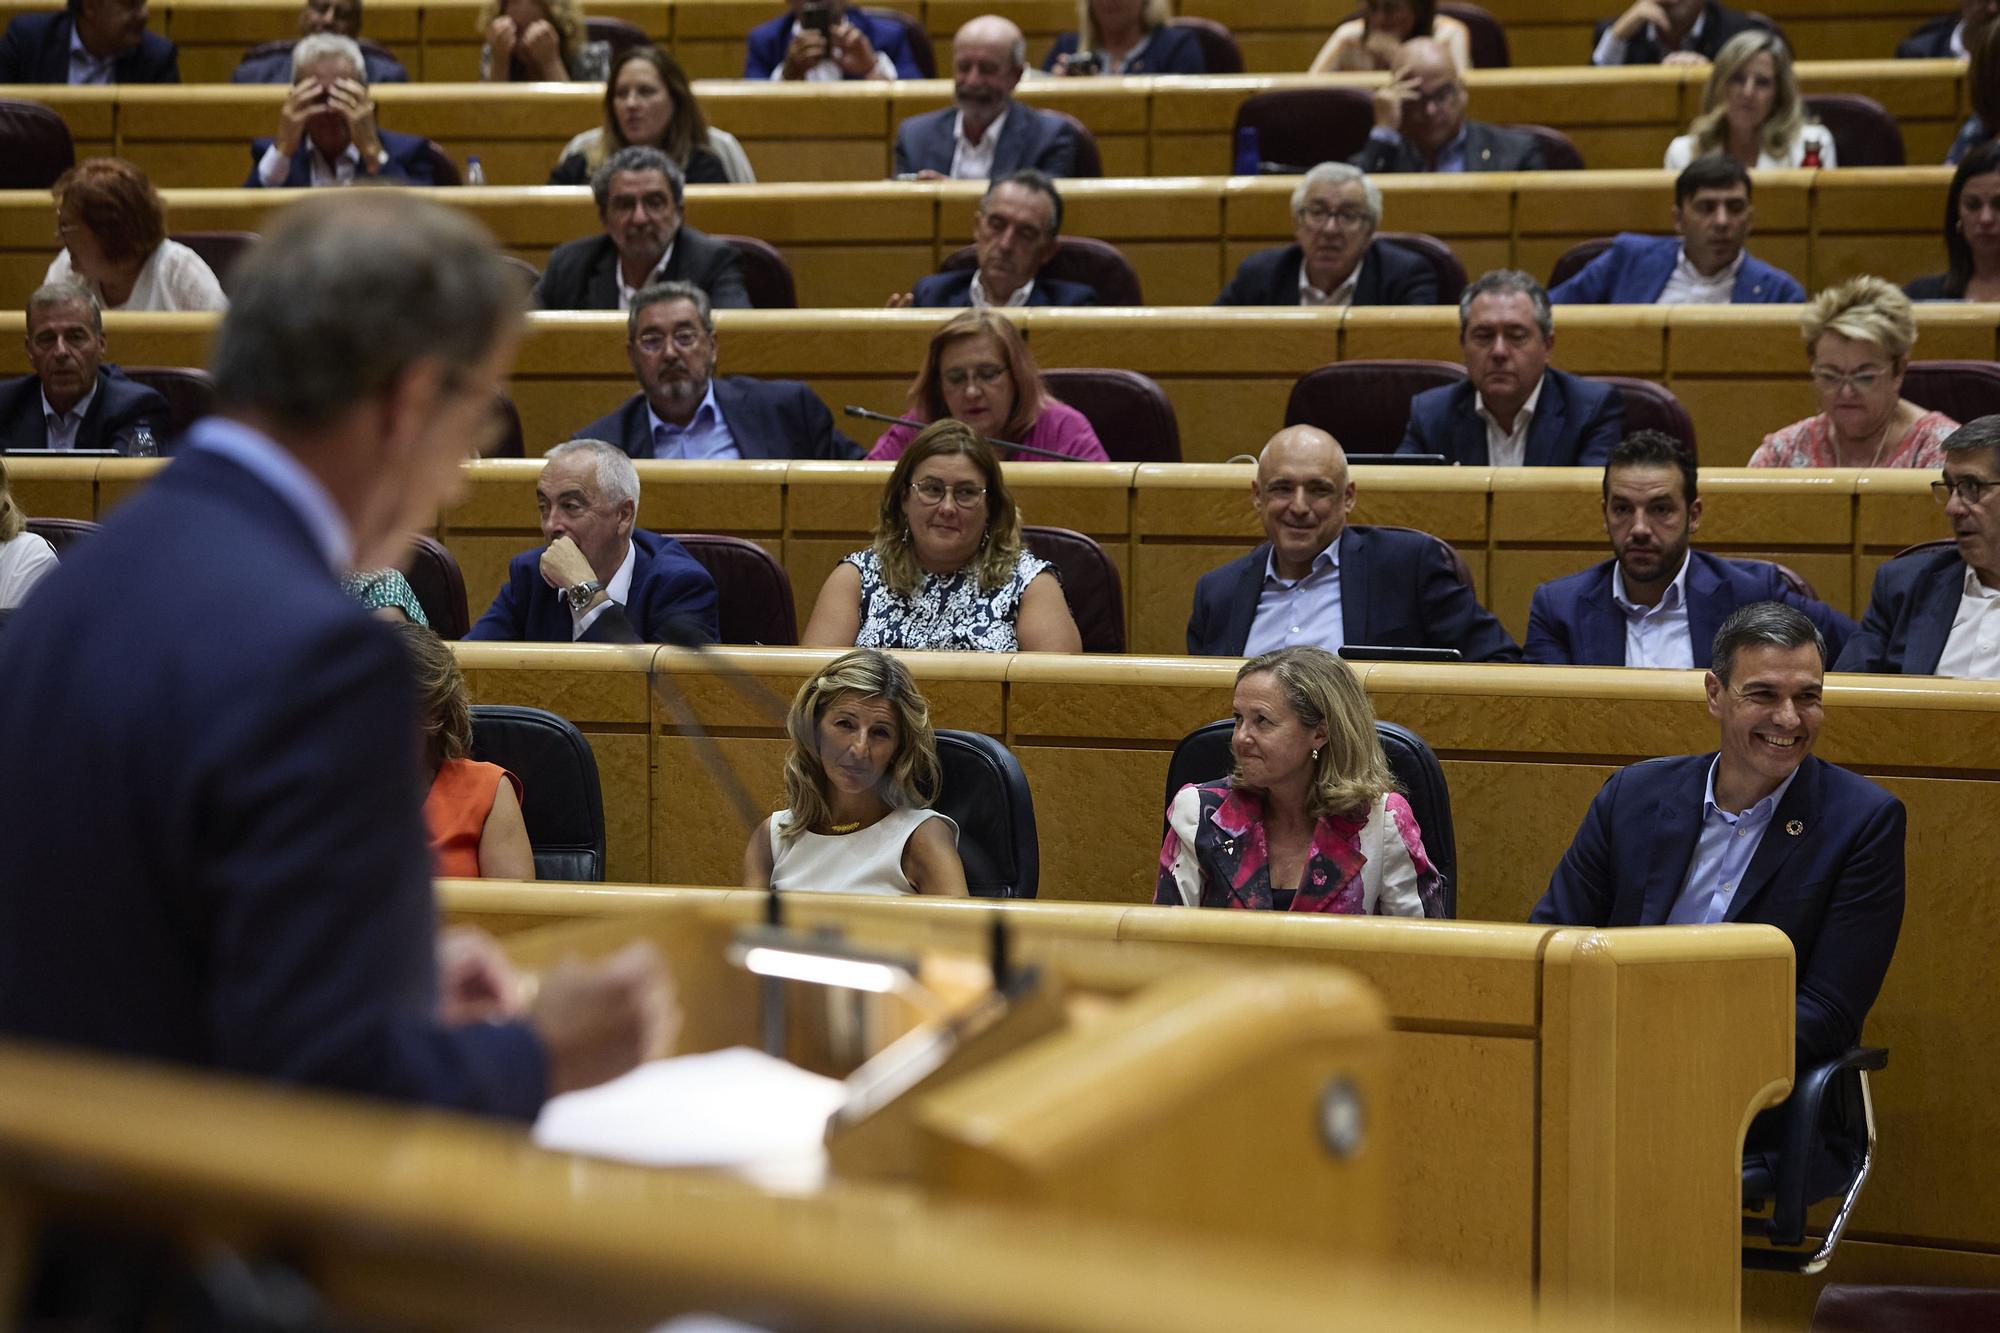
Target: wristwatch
578,595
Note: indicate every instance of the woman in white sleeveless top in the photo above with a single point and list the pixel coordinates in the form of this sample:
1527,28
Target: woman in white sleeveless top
862,771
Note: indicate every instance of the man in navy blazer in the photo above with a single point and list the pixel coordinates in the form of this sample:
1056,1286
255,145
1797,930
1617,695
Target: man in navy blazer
1705,264
1514,409
1318,580
685,410
92,41
1694,31
599,579
1014,233
217,855
1931,612
1656,603
856,45
1944,38
74,400
1421,125
327,133
640,194
336,16
987,134
1760,831
1336,259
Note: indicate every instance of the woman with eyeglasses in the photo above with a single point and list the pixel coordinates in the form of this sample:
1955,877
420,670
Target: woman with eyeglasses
1372,40
946,569
1971,234
1858,340
1753,112
979,371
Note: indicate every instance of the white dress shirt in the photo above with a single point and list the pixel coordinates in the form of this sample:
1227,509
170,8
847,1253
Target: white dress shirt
619,590
1342,295
1509,448
974,161
1687,286
1611,50
274,167
1657,635
85,67
1973,650
980,300
626,293
63,425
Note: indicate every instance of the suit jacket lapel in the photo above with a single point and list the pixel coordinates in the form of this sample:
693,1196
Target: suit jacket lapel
756,433
1468,427
1648,278
1799,809
1676,825
1007,153
1937,600
1600,630
600,289
1243,600
1704,606
1354,597
1551,415
1368,287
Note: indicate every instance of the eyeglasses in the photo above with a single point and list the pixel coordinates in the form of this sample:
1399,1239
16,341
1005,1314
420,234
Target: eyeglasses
1434,99
932,492
1832,381
1969,489
985,374
1349,219
686,339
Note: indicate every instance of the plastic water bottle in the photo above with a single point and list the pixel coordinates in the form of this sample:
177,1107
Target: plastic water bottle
1248,154
474,173
143,443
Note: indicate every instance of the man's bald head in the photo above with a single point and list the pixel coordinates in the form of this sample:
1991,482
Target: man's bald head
1302,495
988,55
1425,57
1434,105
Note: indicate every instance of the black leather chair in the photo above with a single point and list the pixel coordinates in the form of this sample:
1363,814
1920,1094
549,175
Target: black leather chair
766,275
1203,756
1845,1308
444,171
1864,133
62,533
1083,259
529,274
1298,128
440,588
1443,260
1794,580
190,393
563,807
35,147
221,251
1130,413
1649,406
919,39
1575,259
621,35
1962,390
1937,545
986,794
1089,161
1559,151
1818,1144
1089,582
1489,39
1365,404
1219,52
753,595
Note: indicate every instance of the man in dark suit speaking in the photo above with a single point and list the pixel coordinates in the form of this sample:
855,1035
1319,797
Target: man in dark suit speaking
1336,260
212,811
639,193
1319,580
91,41
685,410
1421,125
1760,831
74,400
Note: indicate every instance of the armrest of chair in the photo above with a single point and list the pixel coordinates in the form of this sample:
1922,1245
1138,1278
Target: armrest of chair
1803,1135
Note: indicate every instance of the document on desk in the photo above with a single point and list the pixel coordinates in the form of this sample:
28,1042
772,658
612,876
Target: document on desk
738,1108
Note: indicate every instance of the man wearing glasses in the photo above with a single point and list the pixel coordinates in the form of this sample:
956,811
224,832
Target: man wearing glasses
639,193
685,410
1014,233
1936,611
1335,262
1420,122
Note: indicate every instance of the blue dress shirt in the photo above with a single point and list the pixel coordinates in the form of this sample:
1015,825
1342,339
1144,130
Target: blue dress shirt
1722,853
1657,635
1306,611
705,436
1450,158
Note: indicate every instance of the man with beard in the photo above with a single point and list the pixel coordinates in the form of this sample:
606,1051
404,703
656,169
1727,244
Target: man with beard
92,41
1656,603
639,192
685,410
988,133
1335,262
326,129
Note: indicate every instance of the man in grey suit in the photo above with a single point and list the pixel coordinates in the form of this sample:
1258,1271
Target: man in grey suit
1420,122
639,193
988,135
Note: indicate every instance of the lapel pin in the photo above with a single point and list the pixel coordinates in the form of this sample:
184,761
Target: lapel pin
1795,827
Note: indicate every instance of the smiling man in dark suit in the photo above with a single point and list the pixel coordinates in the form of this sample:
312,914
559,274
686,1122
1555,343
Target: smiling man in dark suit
639,193
1336,260
92,41
1319,580
1420,122
74,400
988,134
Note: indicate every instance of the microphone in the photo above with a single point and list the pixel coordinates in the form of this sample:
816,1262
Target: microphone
1049,454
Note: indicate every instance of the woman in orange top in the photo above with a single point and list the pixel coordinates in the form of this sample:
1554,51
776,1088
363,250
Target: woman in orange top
474,818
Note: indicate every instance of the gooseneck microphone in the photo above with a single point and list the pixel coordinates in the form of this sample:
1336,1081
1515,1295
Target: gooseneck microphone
1049,454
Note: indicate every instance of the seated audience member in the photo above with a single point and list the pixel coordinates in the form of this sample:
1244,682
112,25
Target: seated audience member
946,569
25,557
113,227
1127,37
639,192
472,809
859,781
1014,233
89,41
1514,409
685,410
1760,831
1421,125
1656,602
1669,32
988,133
648,102
827,40
340,17
599,579
1334,259
1945,38
1858,340
1971,234
1937,612
1705,264
1752,112
1982,88
327,133
1309,818
387,593
1373,40
74,400
980,371
1319,580
538,41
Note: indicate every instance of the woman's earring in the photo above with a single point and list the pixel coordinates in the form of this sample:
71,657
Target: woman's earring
1315,756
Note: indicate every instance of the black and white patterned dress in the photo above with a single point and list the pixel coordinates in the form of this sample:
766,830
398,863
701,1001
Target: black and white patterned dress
948,613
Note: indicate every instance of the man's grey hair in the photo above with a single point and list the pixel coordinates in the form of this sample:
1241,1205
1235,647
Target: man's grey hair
320,45
1978,433
67,291
1762,625
1506,281
350,291
1338,173
661,292
637,157
617,479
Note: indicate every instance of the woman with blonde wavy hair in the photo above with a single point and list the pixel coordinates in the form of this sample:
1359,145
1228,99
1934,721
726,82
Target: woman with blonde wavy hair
859,780
1753,112
947,569
26,558
538,41
1309,820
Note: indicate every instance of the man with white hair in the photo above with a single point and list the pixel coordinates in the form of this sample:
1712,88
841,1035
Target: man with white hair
987,134
1335,260
326,130
598,579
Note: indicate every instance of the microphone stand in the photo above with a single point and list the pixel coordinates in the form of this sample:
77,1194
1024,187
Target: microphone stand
1050,454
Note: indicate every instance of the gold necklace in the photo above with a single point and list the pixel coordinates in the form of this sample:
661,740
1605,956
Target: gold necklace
843,828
